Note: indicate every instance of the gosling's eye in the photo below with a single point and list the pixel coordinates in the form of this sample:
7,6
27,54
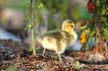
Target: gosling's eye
71,26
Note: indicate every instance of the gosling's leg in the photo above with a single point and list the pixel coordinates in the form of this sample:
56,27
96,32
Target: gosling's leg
60,58
44,50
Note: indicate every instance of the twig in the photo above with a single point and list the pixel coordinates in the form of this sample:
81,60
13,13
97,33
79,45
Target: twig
98,32
33,24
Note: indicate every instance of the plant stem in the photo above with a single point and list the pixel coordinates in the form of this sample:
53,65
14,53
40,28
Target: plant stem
33,40
33,24
98,33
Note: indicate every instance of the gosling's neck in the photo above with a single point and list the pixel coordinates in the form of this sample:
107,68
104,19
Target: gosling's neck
70,37
73,37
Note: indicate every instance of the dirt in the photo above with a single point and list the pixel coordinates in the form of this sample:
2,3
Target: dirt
21,59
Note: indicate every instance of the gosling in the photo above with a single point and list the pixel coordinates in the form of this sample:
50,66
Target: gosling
60,39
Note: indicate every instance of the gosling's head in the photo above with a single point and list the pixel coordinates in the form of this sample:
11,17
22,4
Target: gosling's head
68,26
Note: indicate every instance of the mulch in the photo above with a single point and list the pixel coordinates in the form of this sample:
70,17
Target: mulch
25,61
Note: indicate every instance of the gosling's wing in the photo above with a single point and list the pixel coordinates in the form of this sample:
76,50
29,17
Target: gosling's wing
71,39
51,35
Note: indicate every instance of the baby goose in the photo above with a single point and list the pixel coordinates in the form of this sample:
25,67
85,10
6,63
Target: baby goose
59,40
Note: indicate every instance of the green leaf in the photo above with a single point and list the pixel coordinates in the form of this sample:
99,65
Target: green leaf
29,26
103,19
103,11
77,65
75,13
97,2
26,18
12,67
40,5
105,32
30,49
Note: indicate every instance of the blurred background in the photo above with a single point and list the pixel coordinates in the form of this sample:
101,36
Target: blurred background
15,17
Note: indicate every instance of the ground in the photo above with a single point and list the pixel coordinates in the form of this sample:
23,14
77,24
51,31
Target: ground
19,59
